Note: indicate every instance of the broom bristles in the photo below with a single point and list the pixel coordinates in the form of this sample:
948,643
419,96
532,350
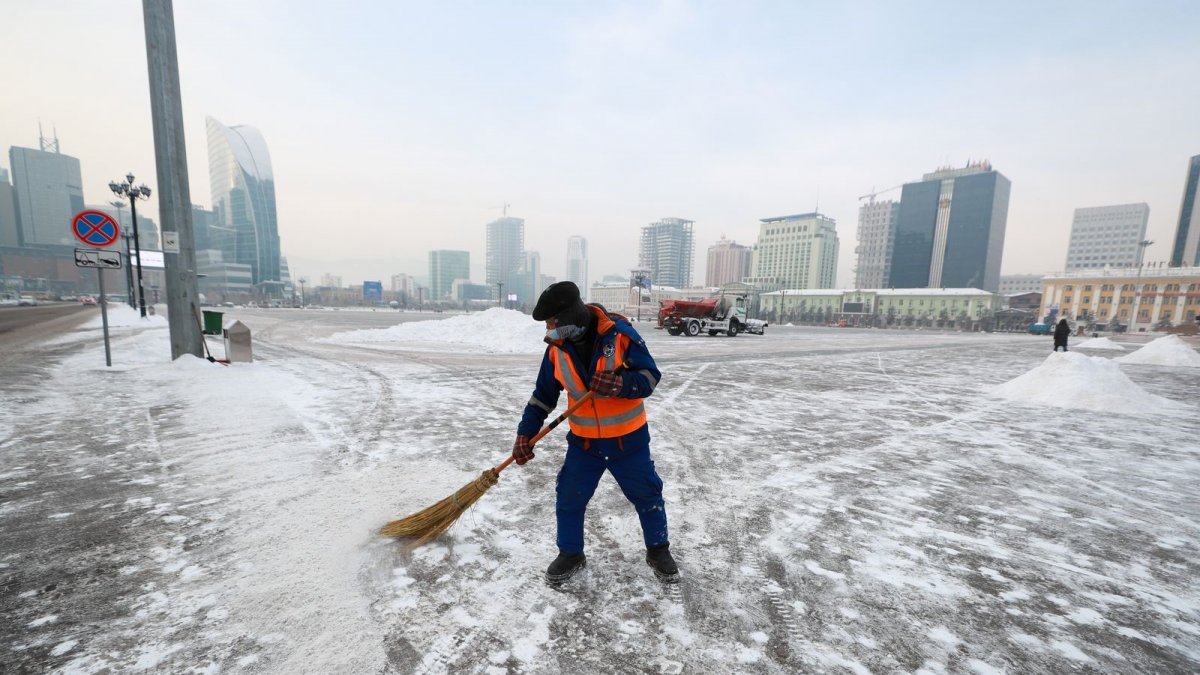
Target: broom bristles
431,522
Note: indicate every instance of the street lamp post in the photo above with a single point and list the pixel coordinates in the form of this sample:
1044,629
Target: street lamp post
302,282
499,293
133,194
128,268
1137,287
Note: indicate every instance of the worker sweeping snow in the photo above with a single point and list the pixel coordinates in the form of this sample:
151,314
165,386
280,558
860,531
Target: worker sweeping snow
608,433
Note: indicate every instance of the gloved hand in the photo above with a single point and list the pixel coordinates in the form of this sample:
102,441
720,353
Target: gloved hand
607,383
522,451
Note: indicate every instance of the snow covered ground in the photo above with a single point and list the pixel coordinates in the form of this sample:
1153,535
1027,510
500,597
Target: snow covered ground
840,501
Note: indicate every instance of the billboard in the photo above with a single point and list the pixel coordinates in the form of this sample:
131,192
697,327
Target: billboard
373,292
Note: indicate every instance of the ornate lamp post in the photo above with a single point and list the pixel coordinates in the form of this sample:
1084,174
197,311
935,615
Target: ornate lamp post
118,205
133,194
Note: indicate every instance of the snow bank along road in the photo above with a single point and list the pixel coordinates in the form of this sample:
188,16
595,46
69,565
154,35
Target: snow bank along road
840,501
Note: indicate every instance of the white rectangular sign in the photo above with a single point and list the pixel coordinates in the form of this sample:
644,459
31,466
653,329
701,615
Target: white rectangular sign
170,242
150,259
92,257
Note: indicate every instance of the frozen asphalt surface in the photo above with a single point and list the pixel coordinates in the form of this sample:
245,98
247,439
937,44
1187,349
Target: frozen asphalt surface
840,501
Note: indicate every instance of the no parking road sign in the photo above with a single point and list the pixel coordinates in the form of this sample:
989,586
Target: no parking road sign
95,228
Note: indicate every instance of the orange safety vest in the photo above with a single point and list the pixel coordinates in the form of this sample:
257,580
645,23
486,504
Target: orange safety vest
601,417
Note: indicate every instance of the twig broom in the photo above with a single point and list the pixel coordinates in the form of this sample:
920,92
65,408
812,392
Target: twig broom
428,523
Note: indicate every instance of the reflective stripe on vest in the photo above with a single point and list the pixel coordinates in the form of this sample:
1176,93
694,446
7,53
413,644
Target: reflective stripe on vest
600,417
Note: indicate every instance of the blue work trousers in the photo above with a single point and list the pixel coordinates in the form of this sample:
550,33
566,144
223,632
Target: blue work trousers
634,472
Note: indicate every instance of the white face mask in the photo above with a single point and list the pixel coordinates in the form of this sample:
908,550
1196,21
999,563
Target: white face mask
566,332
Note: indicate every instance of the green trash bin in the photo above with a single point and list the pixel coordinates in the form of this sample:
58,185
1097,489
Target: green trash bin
212,322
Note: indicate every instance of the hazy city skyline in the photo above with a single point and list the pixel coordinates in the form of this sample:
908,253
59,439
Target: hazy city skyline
409,127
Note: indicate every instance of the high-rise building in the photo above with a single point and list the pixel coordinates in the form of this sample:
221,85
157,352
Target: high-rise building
876,237
526,282
1186,251
243,195
444,268
950,230
505,253
728,261
1107,236
796,252
48,190
577,263
8,212
667,251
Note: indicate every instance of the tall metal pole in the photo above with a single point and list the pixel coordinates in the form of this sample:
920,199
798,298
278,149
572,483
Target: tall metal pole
1137,287
137,246
128,265
174,195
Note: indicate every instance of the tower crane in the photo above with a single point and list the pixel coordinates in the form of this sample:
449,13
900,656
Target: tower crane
874,192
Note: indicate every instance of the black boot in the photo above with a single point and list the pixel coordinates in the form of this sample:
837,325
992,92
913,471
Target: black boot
565,565
659,558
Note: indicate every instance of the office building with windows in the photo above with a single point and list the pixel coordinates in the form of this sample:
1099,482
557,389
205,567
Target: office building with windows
577,263
505,254
444,268
48,190
950,230
243,197
1107,236
728,261
876,236
796,252
1185,252
667,250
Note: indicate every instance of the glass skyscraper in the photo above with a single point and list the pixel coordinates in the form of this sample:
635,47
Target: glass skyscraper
577,263
1186,251
950,230
444,268
505,254
243,195
48,190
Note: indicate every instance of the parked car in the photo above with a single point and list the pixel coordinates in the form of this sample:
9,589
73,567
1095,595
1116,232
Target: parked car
1041,329
88,300
27,301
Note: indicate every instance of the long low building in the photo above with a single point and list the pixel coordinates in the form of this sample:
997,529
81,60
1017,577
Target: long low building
1159,297
951,308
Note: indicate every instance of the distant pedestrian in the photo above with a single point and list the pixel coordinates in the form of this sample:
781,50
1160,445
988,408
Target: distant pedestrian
1061,332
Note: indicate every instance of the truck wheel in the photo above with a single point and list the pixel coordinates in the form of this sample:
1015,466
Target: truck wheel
693,328
733,329
674,331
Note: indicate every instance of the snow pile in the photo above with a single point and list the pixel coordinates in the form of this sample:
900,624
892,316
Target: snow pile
1100,343
1073,380
495,331
1168,350
124,316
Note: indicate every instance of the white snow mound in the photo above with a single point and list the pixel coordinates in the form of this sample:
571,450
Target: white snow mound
1168,350
124,316
495,331
1073,380
1099,343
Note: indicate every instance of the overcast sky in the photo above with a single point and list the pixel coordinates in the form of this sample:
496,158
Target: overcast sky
399,127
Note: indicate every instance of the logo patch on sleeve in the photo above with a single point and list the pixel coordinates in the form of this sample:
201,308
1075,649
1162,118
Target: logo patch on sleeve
609,350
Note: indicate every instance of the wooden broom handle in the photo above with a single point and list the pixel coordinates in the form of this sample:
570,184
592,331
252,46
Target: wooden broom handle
557,420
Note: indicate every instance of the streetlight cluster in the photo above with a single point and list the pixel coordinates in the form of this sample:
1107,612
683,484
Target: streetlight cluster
133,194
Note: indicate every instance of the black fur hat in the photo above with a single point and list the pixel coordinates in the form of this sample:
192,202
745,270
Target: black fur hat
558,298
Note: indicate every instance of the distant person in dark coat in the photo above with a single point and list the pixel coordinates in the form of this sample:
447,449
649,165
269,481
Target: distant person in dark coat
1061,332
